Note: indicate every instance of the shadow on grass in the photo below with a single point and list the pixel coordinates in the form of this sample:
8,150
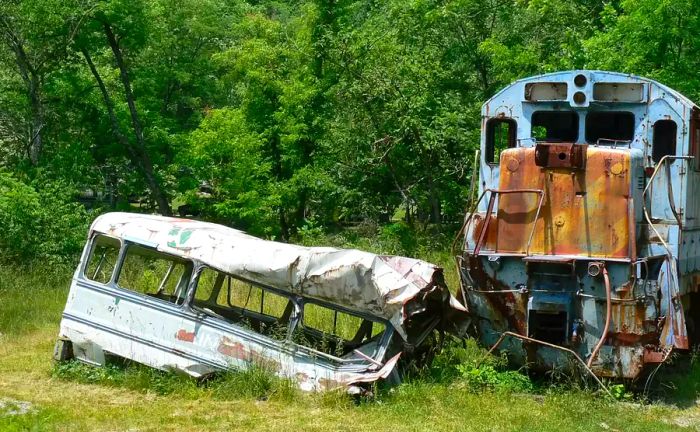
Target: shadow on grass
676,382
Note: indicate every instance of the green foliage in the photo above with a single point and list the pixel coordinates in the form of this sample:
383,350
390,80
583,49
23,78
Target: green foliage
486,376
311,233
39,224
19,208
131,375
659,39
288,119
34,420
619,392
399,239
225,155
257,382
469,365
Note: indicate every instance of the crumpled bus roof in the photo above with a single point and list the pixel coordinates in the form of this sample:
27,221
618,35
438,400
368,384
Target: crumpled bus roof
361,281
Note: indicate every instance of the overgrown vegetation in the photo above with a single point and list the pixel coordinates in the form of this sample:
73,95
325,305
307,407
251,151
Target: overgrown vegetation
464,389
469,365
465,366
255,383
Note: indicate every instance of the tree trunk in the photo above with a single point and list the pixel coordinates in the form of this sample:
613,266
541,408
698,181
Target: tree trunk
434,201
277,171
32,78
137,156
109,104
157,191
35,146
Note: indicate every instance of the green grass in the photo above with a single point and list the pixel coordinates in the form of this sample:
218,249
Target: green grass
31,298
255,383
78,397
463,390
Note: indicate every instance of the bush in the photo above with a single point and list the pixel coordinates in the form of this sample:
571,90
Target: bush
39,223
487,376
399,238
469,364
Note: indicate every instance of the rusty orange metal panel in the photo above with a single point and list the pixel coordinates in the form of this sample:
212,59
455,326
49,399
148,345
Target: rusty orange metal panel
585,212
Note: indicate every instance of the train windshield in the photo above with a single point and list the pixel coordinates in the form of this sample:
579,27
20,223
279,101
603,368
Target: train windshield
555,126
609,127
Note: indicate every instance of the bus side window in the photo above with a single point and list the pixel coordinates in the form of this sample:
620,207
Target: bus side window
225,297
664,141
500,135
156,274
103,259
335,332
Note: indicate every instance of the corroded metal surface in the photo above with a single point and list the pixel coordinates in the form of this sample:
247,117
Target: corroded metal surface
585,212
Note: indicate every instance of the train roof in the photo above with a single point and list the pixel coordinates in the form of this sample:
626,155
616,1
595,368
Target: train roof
593,76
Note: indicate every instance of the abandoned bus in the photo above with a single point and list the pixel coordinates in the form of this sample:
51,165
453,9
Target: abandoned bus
583,245
197,297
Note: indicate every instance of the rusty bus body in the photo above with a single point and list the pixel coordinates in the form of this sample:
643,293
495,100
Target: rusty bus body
196,297
584,244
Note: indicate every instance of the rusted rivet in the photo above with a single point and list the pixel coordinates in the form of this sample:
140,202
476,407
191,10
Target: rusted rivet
559,221
616,168
512,165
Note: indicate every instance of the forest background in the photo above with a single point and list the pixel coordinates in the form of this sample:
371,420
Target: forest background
283,119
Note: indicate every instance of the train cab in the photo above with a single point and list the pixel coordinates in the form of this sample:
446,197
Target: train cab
583,243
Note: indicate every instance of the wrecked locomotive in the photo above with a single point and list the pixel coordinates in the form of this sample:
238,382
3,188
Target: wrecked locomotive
584,242
197,297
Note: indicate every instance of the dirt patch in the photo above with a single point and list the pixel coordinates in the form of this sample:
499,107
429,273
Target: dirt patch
13,407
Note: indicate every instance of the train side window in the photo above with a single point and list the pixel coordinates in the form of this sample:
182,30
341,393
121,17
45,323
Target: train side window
555,126
500,135
607,127
664,141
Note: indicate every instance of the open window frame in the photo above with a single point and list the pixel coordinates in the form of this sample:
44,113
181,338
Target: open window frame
180,293
91,274
498,140
381,341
